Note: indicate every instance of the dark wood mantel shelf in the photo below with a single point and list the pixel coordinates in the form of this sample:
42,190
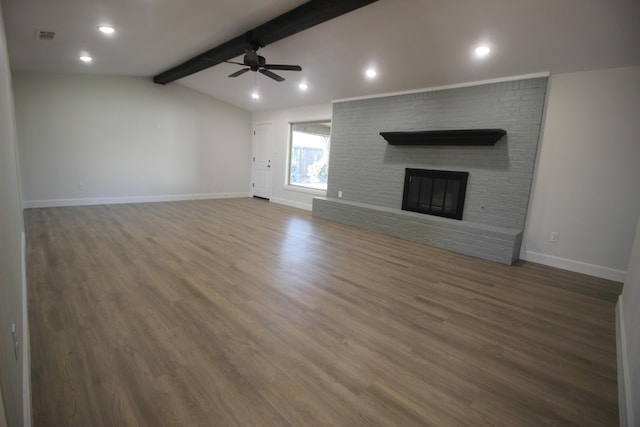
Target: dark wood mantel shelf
445,137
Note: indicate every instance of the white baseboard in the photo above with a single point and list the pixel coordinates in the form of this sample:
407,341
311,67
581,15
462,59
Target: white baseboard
577,266
26,346
129,199
625,403
299,205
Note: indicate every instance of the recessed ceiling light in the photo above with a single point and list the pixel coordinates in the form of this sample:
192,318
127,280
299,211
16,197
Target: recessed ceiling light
482,51
303,86
86,58
371,73
255,96
107,29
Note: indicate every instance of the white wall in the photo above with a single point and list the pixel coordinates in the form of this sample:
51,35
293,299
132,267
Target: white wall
280,120
90,139
628,322
12,285
587,173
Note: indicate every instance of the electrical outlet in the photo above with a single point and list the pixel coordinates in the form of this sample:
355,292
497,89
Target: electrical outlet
81,186
339,194
554,237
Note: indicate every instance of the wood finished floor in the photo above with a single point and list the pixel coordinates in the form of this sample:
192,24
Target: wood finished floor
241,312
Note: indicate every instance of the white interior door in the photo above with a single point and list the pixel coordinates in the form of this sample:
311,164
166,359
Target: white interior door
262,141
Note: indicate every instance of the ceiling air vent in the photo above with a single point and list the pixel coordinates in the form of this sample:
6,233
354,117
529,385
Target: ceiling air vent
45,35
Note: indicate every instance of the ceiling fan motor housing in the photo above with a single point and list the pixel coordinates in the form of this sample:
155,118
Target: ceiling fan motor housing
253,60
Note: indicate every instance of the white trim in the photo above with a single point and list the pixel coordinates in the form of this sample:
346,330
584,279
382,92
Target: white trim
452,86
577,266
305,190
287,202
26,345
128,199
625,404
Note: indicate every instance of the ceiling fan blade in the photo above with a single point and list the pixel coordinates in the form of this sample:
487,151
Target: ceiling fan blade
274,76
234,62
282,67
239,72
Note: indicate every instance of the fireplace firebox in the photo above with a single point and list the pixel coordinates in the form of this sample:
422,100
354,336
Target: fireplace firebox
435,192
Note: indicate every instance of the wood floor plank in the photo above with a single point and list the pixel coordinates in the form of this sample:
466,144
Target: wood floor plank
240,312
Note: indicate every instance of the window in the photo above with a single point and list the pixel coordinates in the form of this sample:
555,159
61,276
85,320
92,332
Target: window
309,154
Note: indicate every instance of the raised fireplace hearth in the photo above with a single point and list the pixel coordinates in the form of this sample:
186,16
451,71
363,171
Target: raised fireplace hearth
497,244
435,192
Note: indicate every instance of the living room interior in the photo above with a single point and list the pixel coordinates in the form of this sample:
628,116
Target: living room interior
558,190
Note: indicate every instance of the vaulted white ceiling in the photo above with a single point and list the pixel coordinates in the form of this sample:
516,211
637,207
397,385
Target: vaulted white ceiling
412,43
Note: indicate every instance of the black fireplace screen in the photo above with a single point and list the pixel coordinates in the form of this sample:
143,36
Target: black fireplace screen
435,192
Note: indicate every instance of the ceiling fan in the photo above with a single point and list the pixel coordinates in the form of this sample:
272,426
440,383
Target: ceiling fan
254,62
307,15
